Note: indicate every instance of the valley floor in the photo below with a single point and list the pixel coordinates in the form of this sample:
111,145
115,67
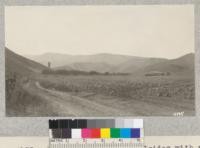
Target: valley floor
60,103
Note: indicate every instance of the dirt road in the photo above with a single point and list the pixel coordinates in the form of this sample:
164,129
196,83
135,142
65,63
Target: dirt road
87,104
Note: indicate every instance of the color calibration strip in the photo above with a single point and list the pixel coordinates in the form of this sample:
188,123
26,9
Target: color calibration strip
108,128
96,132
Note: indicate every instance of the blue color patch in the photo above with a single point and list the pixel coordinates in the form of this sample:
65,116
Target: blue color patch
125,133
135,133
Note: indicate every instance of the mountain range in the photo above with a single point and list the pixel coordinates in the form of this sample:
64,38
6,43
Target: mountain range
114,63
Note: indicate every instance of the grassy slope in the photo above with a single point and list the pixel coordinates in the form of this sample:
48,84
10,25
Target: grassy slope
20,65
21,101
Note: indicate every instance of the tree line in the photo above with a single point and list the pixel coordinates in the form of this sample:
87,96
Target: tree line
77,72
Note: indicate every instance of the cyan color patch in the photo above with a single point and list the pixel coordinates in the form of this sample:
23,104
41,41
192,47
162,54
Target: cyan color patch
125,133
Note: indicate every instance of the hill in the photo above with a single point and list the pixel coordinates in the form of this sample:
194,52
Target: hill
183,65
134,65
103,62
99,67
118,63
59,60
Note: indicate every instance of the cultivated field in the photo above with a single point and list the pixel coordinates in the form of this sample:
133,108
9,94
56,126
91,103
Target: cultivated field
123,86
127,95
100,95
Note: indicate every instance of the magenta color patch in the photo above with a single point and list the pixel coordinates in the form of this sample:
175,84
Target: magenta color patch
86,133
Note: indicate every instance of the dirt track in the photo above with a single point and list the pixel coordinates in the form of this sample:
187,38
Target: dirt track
85,104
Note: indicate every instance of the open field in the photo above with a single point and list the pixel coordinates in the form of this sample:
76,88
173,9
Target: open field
108,96
123,86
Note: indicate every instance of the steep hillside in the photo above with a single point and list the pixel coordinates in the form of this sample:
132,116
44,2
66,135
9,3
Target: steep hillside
15,63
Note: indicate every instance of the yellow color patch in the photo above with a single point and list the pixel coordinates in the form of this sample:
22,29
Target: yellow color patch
105,132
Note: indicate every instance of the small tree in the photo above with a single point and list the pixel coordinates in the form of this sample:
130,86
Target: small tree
49,65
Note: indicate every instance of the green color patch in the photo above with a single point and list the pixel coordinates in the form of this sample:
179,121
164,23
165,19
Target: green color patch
115,132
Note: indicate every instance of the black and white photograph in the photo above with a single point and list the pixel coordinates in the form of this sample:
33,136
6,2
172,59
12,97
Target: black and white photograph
103,61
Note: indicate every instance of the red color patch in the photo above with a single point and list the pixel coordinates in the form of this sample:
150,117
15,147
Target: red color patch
95,133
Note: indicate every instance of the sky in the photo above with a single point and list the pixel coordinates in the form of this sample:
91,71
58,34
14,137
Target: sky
165,31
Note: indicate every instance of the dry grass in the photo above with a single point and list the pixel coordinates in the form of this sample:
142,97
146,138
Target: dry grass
21,102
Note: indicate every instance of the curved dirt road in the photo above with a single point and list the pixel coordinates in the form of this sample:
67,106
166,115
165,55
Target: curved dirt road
67,105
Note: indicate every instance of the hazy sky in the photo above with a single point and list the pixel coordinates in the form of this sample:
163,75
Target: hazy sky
148,31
